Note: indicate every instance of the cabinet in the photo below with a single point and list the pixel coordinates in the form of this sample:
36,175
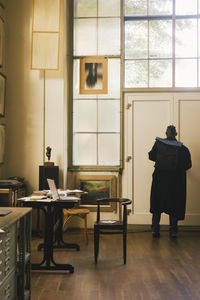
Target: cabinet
10,191
45,172
15,254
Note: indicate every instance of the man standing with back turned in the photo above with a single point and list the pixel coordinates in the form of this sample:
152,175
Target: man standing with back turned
168,190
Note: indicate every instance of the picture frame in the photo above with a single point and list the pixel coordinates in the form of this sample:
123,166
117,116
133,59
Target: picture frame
2,94
2,42
93,75
97,186
2,143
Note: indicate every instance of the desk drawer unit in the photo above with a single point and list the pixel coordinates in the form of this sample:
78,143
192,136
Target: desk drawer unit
8,262
8,288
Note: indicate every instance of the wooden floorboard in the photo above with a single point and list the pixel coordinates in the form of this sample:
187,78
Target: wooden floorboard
156,269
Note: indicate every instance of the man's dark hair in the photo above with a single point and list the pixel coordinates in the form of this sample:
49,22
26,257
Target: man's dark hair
172,130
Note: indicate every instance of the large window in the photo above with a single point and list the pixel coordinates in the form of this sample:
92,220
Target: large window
162,43
96,117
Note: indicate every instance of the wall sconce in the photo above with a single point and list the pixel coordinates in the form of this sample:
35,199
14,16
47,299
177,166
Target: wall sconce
45,42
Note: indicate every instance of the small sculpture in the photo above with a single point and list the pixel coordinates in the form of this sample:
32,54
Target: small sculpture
48,153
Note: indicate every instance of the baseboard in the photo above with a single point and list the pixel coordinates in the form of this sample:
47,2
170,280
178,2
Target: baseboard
142,228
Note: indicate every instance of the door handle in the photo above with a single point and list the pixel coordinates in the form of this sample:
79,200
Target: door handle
128,158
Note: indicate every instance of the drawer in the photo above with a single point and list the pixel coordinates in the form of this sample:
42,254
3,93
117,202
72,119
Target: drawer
8,289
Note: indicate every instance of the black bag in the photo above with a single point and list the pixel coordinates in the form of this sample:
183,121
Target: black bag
167,157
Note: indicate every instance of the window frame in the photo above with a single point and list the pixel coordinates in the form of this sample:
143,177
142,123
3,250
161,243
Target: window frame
173,18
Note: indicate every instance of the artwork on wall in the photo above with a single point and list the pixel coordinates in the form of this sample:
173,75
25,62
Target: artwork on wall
2,143
97,186
2,94
2,43
93,75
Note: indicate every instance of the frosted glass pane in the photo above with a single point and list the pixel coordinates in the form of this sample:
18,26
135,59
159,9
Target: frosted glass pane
85,116
136,73
76,82
85,149
186,73
135,7
199,73
109,115
186,38
136,39
160,7
85,8
186,7
113,79
160,73
108,36
85,37
109,149
109,8
160,38
46,15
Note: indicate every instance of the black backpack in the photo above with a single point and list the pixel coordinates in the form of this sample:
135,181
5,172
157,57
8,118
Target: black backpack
167,157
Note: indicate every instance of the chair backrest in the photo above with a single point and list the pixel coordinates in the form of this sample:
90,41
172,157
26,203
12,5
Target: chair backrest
123,201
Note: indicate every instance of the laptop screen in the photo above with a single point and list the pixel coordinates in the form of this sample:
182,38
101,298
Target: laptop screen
53,189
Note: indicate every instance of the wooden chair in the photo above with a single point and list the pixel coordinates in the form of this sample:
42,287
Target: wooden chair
79,212
110,226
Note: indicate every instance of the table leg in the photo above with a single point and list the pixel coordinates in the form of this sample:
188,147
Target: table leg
59,242
48,262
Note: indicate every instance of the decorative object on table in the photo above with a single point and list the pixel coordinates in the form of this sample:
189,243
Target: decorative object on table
97,186
48,154
93,75
2,94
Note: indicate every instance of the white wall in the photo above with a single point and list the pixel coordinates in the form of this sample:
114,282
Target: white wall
26,135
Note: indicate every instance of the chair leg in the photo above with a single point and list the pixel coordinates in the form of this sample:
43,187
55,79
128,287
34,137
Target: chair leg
85,230
96,244
124,246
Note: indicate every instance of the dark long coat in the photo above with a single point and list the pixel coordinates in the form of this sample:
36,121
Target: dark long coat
168,190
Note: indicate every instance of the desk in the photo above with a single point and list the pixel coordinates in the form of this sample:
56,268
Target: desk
50,208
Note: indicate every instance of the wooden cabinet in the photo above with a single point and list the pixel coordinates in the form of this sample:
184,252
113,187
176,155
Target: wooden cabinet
10,191
15,254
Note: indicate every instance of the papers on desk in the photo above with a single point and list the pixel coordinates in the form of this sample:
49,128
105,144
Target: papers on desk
68,198
45,199
34,198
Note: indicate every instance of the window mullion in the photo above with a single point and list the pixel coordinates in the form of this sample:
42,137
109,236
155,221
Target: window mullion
173,43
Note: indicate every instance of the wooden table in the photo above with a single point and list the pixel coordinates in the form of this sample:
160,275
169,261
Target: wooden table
53,218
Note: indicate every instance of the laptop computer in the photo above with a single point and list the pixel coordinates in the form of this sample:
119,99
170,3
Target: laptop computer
55,195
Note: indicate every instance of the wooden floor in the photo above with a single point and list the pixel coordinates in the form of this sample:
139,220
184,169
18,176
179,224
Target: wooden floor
156,269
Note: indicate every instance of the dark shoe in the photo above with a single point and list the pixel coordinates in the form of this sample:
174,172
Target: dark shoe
173,235
155,234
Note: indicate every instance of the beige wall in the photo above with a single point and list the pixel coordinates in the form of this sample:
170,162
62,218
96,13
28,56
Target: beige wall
32,98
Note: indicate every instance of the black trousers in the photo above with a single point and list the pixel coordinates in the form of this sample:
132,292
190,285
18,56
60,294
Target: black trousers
173,221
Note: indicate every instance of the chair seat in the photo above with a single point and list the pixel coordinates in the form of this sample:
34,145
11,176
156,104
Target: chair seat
76,211
114,224
79,212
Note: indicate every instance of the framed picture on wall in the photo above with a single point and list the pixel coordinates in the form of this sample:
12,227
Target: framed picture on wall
2,42
2,143
93,75
97,186
2,94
